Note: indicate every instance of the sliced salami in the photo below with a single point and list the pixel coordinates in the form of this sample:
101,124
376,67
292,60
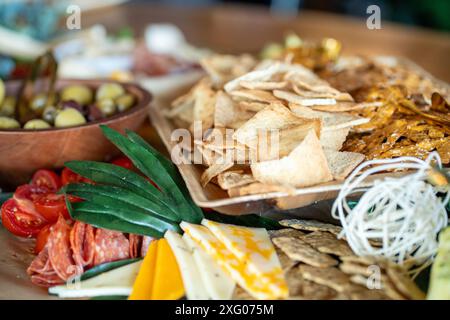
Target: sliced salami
59,251
146,240
46,280
110,246
135,245
82,242
41,264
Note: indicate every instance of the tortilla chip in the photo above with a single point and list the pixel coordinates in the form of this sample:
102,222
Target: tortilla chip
257,188
346,106
333,139
218,167
233,179
298,250
338,96
275,116
342,163
252,106
263,85
331,121
295,98
205,100
305,166
227,113
256,75
254,95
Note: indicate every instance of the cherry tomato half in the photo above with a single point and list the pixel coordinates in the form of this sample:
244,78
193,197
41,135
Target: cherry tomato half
68,176
123,162
46,178
41,239
18,222
51,206
26,194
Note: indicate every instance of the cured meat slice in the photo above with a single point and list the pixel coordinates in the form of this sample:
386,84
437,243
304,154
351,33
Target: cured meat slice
46,280
41,264
110,246
82,244
135,245
59,251
146,240
42,272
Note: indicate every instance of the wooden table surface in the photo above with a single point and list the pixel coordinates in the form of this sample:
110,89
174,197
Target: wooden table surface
235,29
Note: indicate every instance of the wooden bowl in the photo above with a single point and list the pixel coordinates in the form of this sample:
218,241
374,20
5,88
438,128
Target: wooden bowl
22,152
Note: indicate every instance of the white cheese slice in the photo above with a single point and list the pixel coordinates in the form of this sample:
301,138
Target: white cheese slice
117,282
218,284
267,287
192,280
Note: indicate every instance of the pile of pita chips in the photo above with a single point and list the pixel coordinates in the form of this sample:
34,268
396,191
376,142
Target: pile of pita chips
318,265
260,127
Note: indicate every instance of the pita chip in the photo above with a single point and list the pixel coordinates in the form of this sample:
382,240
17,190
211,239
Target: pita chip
233,179
295,98
305,166
342,163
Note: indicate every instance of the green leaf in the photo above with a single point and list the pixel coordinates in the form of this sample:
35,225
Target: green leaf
104,267
133,217
110,174
152,167
250,220
170,168
111,222
119,198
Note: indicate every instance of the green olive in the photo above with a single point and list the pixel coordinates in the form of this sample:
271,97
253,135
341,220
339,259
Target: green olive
36,124
49,114
107,107
109,91
8,107
79,93
68,118
125,102
8,123
2,91
37,104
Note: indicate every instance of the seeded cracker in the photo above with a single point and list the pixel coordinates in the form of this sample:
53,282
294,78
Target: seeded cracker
311,225
299,250
326,242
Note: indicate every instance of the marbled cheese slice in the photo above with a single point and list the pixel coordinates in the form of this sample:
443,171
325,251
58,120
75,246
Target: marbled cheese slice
266,287
253,246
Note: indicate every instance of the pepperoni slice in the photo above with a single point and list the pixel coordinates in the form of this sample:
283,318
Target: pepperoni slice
110,246
146,240
135,245
59,251
42,272
82,244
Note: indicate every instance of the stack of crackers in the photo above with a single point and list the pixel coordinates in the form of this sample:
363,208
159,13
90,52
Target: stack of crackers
318,265
249,109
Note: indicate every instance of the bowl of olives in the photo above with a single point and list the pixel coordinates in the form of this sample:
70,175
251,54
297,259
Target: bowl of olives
44,129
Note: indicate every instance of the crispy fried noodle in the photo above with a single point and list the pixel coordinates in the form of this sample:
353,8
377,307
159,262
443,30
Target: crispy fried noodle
405,214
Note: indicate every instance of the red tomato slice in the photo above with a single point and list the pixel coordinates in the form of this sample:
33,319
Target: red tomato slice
51,206
26,194
123,162
68,176
18,222
41,239
46,178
